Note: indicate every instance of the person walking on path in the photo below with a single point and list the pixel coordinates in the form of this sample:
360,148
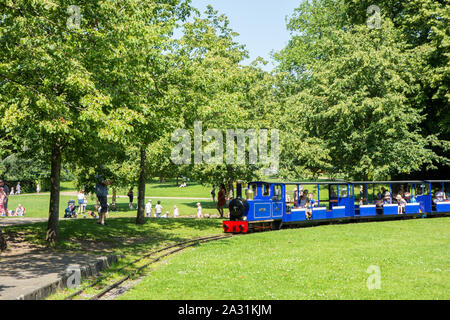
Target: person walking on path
130,196
18,188
221,200
213,193
102,194
38,188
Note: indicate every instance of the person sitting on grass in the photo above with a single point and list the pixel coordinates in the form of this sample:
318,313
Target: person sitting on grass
165,215
20,211
199,211
92,214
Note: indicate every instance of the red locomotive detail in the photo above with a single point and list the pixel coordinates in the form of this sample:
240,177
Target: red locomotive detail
235,226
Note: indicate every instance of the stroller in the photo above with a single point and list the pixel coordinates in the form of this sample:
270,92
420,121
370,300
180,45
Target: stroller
71,210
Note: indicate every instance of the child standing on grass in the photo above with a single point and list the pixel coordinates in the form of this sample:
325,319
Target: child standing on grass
158,209
80,197
199,211
175,212
148,208
130,197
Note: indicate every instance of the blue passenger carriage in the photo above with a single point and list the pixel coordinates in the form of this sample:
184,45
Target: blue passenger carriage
270,205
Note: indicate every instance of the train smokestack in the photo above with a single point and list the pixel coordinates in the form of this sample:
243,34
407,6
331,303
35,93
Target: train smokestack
239,189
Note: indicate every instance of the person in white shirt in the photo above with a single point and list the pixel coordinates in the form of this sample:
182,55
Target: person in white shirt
18,188
80,201
199,211
175,212
158,209
148,209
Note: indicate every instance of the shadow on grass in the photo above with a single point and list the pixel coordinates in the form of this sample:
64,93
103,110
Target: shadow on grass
120,235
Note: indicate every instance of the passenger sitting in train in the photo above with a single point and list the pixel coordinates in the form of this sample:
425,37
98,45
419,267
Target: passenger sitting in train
304,199
383,192
387,198
407,197
439,196
310,203
401,204
361,195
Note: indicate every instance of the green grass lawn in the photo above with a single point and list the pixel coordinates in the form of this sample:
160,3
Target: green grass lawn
154,188
37,205
121,236
326,262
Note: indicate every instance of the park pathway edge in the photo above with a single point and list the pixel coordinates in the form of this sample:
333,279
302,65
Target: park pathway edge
86,271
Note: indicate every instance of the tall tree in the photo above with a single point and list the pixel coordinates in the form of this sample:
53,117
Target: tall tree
223,95
353,93
48,98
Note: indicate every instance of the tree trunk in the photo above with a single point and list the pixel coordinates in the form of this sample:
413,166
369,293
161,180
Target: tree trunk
3,244
229,182
141,188
230,189
114,199
55,179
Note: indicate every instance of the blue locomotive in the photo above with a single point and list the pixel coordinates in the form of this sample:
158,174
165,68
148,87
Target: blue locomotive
271,205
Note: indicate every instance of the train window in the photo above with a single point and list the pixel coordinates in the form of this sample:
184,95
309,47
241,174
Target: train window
343,191
447,190
332,191
323,195
360,194
254,188
277,192
266,189
423,189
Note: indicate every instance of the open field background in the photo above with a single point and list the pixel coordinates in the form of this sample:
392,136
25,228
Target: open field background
37,204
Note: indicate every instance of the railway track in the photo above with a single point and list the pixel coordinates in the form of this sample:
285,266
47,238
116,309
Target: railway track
152,257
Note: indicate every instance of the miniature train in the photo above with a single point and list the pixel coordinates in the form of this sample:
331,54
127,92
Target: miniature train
269,205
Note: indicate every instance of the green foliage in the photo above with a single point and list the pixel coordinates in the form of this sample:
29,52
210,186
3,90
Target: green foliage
355,95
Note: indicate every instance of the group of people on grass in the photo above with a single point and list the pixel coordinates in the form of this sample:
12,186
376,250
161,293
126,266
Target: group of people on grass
102,183
17,190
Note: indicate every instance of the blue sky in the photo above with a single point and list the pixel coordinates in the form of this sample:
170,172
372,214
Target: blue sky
260,23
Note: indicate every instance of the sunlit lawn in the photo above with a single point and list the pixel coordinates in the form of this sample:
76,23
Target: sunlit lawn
326,262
